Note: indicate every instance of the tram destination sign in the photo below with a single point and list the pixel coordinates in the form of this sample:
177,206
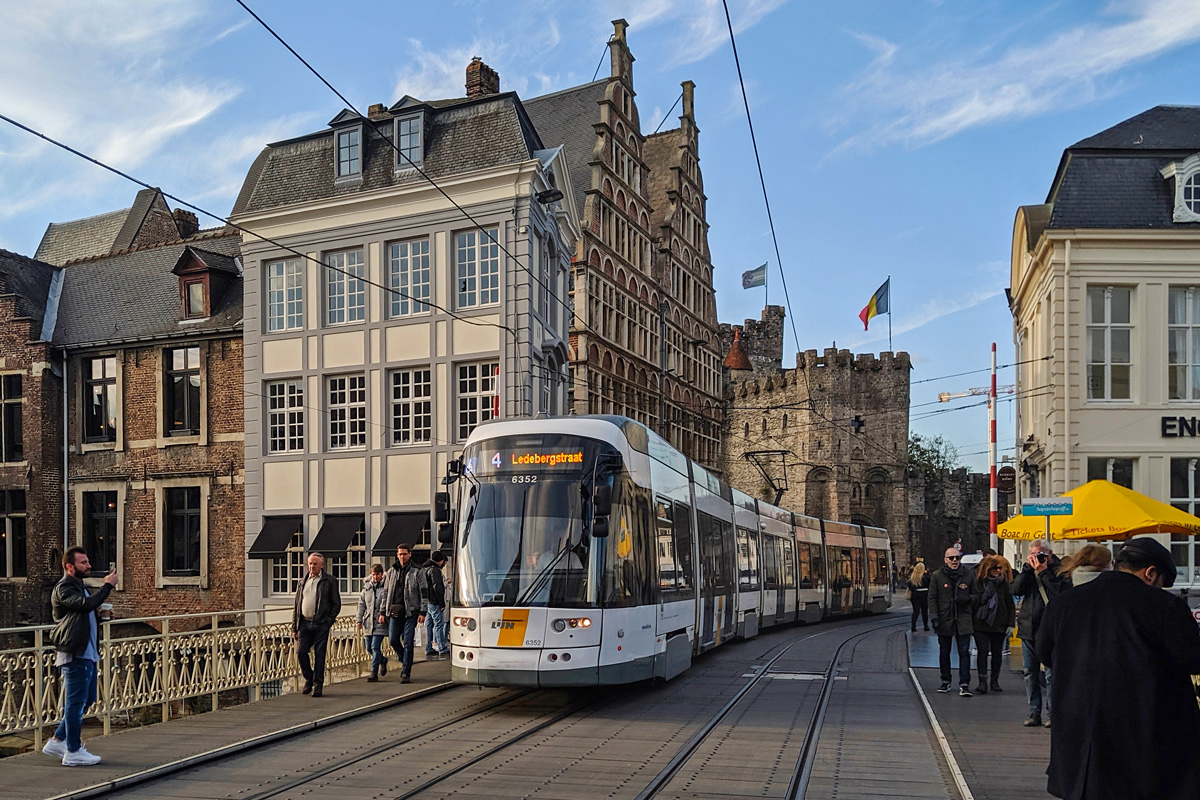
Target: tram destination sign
1047,506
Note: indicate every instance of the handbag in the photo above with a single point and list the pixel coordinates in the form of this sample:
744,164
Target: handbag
394,610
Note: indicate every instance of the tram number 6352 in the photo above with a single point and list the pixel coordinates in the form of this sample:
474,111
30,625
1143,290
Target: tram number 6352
524,478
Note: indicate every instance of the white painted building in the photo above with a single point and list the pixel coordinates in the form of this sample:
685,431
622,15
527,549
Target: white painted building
1105,296
398,325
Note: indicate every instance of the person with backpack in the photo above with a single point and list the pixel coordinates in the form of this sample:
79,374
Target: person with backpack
433,593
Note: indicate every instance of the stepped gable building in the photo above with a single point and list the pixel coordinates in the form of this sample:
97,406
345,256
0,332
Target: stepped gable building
761,338
830,436
383,324
1105,298
644,343
31,533
148,221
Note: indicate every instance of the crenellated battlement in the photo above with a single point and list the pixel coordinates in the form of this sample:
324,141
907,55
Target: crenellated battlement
820,365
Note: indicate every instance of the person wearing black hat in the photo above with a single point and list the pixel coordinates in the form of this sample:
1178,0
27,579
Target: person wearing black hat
1126,720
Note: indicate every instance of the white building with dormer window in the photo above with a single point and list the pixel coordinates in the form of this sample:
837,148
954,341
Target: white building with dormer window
1105,297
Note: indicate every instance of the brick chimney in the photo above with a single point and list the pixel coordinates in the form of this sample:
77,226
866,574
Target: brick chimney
377,112
482,80
186,222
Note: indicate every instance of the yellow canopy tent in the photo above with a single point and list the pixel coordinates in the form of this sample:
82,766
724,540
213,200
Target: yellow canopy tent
1104,510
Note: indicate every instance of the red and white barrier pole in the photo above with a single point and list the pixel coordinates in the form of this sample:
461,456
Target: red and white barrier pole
993,494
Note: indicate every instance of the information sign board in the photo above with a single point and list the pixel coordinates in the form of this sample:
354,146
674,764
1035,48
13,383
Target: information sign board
1047,506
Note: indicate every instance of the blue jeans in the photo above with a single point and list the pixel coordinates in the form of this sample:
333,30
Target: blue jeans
435,630
401,631
963,641
79,677
1037,680
374,642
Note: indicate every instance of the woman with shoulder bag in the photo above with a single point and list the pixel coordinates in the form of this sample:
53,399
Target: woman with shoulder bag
993,614
918,593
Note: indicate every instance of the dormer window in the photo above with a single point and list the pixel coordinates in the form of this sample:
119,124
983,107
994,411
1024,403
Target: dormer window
349,161
203,278
1187,188
197,303
410,141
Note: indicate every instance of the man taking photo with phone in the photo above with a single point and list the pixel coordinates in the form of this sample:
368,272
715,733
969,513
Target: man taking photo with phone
1038,583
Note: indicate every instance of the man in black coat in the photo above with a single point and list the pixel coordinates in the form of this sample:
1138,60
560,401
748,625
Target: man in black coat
318,603
76,638
950,590
1038,583
1127,722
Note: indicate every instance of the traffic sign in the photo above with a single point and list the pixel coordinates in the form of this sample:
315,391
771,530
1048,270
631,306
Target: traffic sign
1047,506
1006,479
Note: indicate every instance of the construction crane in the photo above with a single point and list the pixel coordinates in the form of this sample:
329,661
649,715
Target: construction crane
980,391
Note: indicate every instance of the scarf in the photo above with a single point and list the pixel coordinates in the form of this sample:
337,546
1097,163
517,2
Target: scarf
989,606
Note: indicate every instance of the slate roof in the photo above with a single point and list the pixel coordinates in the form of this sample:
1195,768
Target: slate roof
1113,179
81,238
461,135
567,118
134,295
29,280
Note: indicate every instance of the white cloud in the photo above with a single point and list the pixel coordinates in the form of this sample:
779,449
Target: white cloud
923,102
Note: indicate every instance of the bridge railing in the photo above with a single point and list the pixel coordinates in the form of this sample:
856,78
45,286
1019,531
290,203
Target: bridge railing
183,656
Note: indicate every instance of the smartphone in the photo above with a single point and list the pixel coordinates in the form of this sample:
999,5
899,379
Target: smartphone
112,566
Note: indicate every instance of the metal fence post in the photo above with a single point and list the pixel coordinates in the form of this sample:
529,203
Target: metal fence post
256,667
39,688
165,668
213,667
106,680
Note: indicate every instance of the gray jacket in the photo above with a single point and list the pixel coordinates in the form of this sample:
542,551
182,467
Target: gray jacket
372,603
403,587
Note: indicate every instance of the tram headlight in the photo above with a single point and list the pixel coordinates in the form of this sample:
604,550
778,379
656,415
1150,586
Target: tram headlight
464,622
559,625
471,624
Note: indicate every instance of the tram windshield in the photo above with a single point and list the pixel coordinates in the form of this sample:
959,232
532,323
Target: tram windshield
524,536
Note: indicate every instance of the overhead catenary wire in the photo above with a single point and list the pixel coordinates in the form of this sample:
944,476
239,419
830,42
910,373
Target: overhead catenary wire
761,178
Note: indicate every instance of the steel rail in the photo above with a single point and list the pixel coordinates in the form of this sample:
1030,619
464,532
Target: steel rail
491,751
379,749
798,785
245,745
693,744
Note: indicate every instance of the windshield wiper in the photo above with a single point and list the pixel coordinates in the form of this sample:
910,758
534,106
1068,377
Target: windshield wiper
543,576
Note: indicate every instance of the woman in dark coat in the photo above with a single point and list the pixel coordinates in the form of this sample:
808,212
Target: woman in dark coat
994,613
918,592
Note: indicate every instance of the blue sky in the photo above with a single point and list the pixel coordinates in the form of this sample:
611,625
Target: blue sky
898,138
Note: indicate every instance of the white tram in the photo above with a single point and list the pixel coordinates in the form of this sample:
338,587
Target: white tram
589,551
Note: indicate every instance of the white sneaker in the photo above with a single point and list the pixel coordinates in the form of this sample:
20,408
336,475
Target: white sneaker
55,748
80,758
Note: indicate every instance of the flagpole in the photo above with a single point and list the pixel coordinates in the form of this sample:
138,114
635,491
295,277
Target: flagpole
767,286
890,313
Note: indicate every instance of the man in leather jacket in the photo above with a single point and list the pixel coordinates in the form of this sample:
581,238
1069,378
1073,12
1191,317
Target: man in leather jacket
318,603
405,608
76,637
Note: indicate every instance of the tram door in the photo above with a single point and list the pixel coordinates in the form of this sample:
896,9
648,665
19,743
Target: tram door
717,580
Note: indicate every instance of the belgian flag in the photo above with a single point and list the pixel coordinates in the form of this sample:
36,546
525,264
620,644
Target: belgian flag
877,305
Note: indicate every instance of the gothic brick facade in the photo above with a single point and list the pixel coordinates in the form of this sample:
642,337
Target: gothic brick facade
642,273
832,433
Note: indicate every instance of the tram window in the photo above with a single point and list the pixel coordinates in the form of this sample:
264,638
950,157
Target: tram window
743,558
872,567
789,565
753,541
880,576
628,579
769,567
664,533
856,567
684,571
818,567
804,565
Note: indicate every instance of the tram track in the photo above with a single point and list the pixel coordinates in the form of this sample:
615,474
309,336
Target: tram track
798,783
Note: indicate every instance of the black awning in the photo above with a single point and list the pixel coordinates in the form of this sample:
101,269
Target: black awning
275,537
404,527
337,534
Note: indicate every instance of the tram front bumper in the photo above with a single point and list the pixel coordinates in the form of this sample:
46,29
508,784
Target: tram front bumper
538,667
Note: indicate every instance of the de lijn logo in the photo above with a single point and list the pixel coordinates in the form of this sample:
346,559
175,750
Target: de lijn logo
504,625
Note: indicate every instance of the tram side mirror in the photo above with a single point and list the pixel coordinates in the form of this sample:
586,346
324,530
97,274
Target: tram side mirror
445,533
599,527
602,503
441,507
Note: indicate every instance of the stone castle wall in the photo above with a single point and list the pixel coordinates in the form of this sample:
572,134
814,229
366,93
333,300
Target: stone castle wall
762,338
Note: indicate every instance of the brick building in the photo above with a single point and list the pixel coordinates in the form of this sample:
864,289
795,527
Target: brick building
830,436
30,460
147,341
641,278
155,420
